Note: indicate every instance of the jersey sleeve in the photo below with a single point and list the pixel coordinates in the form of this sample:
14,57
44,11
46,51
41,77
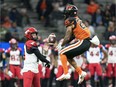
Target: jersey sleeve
107,46
2,50
31,44
70,21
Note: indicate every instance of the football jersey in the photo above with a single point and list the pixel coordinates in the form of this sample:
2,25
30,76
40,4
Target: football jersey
93,55
112,54
46,53
30,62
80,31
14,56
78,60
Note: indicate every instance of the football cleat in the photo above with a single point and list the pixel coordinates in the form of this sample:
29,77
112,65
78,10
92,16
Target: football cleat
64,76
81,77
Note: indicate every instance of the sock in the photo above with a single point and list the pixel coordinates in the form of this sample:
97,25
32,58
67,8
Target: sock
63,59
78,70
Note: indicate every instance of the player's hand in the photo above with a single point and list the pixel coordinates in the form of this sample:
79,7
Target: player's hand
59,47
10,73
47,65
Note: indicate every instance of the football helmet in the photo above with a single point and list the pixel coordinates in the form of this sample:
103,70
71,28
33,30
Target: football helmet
13,43
70,11
112,39
29,31
52,39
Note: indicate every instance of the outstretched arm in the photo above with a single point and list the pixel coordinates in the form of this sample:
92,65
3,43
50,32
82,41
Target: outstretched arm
39,55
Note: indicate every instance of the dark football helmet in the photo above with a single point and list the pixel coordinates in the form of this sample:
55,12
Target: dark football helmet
70,11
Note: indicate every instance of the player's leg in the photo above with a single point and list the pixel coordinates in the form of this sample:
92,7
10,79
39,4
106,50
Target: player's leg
63,56
20,77
78,49
92,72
114,76
108,73
71,51
36,80
74,64
99,73
27,79
63,59
66,75
12,70
81,73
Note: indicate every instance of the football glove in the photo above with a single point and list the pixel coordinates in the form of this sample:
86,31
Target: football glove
47,65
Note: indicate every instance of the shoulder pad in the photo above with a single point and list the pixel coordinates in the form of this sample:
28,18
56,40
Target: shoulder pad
30,44
8,50
100,46
107,45
1,50
69,21
19,49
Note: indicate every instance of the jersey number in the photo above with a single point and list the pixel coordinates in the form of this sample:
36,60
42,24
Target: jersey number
110,53
13,58
97,54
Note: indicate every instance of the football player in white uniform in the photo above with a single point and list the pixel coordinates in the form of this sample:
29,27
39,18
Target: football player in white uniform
94,60
14,53
111,67
32,56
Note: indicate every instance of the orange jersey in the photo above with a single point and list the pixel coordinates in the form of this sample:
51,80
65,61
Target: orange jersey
80,31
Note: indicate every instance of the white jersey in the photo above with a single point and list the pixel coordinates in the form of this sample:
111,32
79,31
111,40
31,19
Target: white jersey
46,53
14,56
79,60
30,62
93,55
112,54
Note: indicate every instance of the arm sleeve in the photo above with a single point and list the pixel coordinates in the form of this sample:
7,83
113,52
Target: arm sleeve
39,55
32,47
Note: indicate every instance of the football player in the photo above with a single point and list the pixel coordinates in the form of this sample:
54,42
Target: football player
74,27
111,67
94,59
32,56
14,53
2,59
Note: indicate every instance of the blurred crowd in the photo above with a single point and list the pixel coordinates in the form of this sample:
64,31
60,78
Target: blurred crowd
100,18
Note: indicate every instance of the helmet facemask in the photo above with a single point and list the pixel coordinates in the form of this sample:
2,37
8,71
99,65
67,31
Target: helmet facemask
31,34
14,46
34,36
112,39
70,11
